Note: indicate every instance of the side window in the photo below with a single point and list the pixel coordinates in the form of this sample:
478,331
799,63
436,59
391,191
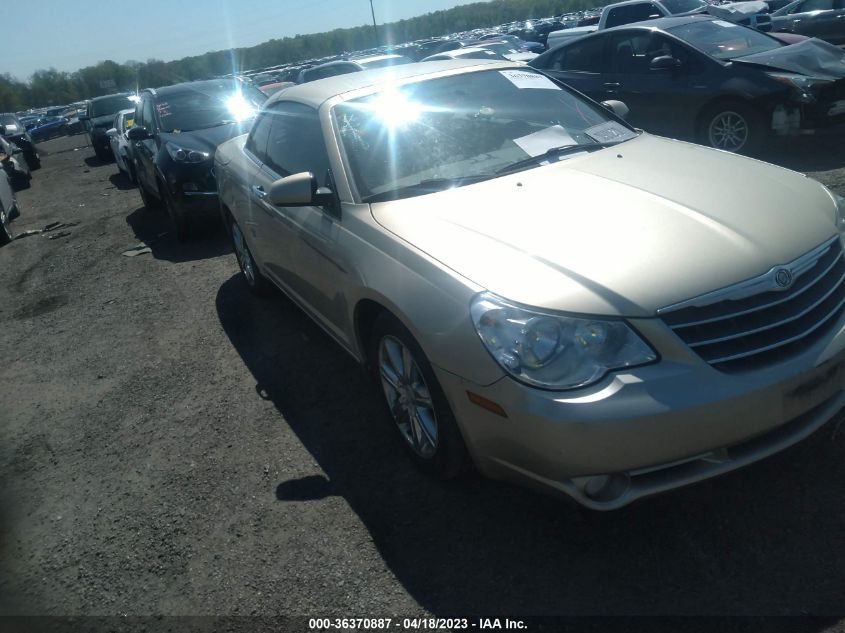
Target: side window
257,141
585,56
149,116
631,53
815,5
296,141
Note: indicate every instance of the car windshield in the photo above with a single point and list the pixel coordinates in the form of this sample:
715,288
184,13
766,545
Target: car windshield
724,40
208,104
682,6
464,127
110,105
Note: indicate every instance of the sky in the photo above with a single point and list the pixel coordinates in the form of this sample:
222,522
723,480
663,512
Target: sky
71,34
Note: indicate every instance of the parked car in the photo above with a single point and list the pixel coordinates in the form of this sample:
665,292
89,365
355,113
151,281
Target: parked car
14,131
271,89
704,79
99,117
824,19
14,165
537,286
507,51
341,67
8,209
752,14
43,127
121,148
470,52
176,132
513,40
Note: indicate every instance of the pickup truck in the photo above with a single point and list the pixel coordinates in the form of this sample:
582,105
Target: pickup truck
753,14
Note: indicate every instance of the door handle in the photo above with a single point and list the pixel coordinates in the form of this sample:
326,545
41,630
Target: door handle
612,85
258,192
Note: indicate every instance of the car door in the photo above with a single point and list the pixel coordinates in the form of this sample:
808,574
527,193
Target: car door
813,18
580,64
145,150
298,243
659,100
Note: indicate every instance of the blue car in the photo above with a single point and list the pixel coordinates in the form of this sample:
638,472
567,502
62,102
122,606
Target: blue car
42,127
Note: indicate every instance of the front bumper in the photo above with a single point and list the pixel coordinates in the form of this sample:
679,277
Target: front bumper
650,429
195,199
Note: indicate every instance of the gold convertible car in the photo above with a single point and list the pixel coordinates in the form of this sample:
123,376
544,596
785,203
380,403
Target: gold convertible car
539,288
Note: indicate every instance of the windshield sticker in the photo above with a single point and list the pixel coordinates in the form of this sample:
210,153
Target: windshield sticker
523,80
608,132
725,24
539,143
163,109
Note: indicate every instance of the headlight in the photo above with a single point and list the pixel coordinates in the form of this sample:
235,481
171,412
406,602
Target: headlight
803,83
554,351
184,155
839,209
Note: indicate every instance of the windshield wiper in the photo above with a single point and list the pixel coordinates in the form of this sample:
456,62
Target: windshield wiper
429,185
555,151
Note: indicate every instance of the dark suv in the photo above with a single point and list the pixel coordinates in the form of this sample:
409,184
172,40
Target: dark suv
99,117
177,130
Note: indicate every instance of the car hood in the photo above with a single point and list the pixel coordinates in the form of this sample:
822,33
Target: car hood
207,139
620,231
811,57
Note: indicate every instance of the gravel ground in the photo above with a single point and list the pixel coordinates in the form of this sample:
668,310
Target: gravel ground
171,445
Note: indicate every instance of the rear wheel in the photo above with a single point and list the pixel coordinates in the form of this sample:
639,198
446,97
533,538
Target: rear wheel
732,126
102,154
415,401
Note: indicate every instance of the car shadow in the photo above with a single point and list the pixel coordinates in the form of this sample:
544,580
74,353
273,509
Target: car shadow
152,228
812,154
122,181
93,161
762,541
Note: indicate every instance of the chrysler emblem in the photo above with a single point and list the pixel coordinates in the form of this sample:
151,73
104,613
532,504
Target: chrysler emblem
783,278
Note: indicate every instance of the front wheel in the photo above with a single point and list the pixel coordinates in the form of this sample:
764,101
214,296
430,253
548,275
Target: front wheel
416,402
149,200
255,281
5,232
732,127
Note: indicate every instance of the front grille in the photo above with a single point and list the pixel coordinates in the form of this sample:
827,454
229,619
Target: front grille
739,330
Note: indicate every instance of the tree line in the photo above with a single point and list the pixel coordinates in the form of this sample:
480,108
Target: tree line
54,87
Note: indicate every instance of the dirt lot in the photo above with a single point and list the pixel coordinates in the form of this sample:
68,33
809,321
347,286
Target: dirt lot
171,445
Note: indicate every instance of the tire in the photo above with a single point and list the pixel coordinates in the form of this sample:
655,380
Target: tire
415,401
732,126
179,223
132,176
150,201
33,161
102,155
254,280
5,232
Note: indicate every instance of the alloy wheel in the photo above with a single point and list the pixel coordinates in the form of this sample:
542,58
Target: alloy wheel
243,254
728,131
408,396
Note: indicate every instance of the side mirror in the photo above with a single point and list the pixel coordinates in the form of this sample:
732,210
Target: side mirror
83,116
299,190
664,62
111,132
138,133
617,107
